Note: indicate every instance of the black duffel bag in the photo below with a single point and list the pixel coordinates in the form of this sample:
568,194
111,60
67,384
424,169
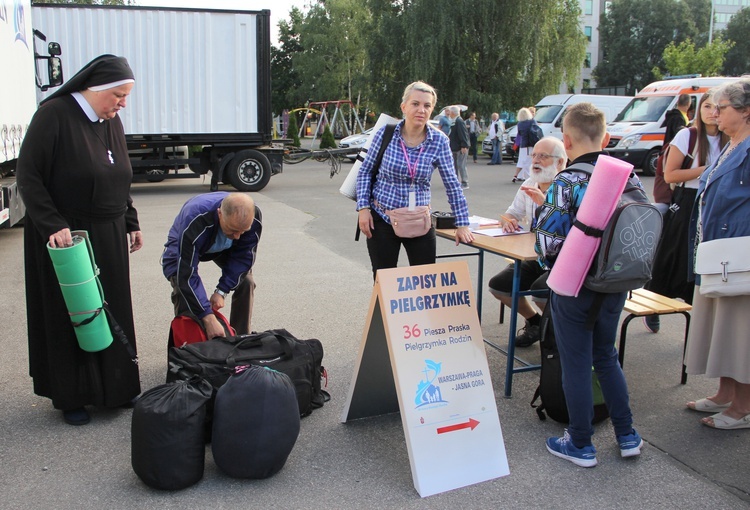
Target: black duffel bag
216,359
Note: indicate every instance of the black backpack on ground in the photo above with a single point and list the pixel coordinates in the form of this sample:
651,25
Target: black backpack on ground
550,389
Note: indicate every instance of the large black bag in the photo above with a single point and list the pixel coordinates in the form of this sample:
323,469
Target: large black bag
550,389
168,436
672,275
256,423
216,359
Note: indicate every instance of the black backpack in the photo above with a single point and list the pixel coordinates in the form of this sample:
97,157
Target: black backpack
535,134
550,389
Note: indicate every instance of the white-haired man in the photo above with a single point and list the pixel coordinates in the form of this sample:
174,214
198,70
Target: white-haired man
548,158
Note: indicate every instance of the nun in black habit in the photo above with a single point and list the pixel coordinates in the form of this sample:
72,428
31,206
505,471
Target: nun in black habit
74,174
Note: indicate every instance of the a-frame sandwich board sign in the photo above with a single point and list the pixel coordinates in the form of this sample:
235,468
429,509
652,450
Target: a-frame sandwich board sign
422,353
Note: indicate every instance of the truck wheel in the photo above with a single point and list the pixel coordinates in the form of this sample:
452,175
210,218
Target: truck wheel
649,164
250,170
155,174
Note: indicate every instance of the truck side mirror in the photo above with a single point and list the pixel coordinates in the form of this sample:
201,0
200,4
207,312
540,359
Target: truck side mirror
54,71
54,49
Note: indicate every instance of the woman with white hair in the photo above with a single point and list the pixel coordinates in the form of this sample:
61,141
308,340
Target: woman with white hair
718,343
525,120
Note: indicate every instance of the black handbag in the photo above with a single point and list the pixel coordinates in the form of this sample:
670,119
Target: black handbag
443,219
216,359
671,275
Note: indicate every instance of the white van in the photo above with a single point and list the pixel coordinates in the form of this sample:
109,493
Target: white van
637,135
550,110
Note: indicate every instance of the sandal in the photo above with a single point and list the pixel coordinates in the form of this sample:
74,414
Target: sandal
706,405
724,422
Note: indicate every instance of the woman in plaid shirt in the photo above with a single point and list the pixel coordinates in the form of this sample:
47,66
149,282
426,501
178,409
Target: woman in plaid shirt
403,180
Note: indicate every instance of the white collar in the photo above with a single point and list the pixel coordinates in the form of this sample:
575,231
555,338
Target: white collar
86,107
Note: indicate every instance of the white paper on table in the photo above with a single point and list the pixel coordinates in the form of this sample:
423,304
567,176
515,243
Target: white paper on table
497,232
483,221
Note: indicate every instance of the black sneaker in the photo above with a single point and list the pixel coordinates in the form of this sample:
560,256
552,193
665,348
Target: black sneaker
652,323
528,335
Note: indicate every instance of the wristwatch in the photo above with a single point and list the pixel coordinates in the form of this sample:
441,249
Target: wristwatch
220,292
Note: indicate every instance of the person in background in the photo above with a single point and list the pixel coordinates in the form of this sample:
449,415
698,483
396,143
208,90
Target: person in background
225,228
495,134
671,276
445,122
74,173
580,346
717,343
403,180
459,138
674,120
548,159
472,124
525,119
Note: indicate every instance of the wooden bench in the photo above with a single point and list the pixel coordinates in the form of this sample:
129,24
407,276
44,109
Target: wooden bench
643,303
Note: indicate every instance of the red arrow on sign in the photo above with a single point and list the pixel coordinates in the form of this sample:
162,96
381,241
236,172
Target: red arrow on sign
471,424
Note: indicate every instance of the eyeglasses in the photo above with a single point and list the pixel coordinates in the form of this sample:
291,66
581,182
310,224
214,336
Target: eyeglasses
720,107
541,155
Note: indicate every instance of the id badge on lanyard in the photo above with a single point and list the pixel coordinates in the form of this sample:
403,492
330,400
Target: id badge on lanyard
412,169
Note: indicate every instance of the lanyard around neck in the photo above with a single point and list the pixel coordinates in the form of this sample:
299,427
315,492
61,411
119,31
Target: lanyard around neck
412,169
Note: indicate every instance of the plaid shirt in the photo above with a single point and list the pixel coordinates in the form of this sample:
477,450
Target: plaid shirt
393,181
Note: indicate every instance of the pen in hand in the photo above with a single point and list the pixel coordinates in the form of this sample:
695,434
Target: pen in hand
511,224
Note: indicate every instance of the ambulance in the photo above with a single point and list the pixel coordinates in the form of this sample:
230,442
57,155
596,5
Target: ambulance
637,135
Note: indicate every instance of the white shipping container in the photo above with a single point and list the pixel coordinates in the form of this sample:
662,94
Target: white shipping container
196,71
17,89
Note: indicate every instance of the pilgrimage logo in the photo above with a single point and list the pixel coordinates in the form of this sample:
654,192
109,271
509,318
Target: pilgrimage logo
429,394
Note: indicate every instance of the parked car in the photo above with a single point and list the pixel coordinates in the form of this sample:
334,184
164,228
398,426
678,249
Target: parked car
355,142
487,146
509,138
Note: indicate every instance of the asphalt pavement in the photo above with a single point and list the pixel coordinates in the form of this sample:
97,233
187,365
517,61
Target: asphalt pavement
315,280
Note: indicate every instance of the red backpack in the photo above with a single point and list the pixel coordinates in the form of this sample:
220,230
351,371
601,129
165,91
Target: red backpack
188,330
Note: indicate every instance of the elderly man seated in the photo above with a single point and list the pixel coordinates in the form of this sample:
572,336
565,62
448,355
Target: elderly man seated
548,158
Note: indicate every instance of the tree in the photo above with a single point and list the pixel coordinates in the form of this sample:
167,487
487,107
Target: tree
737,60
332,65
700,14
285,80
634,34
292,130
472,51
326,140
685,59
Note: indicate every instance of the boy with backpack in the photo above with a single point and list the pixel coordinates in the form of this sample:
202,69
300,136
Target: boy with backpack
582,340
